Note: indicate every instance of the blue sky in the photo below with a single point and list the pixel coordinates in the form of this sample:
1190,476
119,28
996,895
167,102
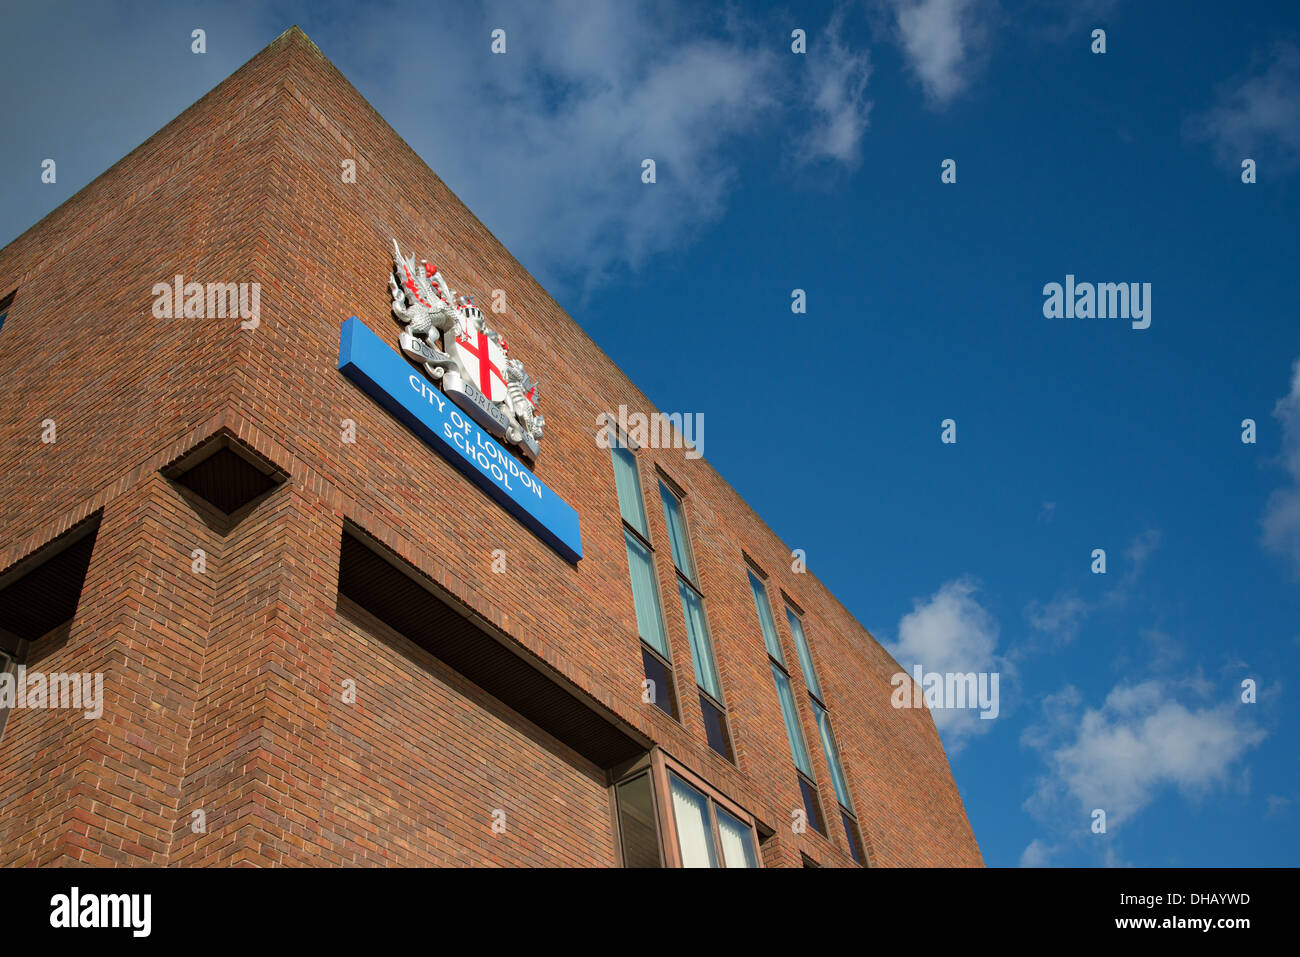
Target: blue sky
821,172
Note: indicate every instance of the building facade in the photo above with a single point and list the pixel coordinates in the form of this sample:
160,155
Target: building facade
321,639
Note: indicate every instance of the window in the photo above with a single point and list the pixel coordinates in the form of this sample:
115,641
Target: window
770,640
847,816
666,816
5,303
789,711
656,657
712,708
638,832
707,834
628,484
805,656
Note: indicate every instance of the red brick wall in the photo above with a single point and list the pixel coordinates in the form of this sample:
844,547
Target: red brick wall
243,187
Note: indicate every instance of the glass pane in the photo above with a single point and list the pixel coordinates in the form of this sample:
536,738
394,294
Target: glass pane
737,841
694,835
645,596
765,619
791,714
810,805
628,484
851,832
636,822
805,656
715,727
677,533
706,672
832,755
661,690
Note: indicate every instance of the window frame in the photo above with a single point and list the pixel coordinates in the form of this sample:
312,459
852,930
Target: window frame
640,767
665,766
817,813
669,490
820,712
665,661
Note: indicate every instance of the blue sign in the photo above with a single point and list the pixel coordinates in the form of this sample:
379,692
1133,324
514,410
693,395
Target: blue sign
392,382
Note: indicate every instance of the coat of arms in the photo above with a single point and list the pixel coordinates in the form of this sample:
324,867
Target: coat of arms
448,335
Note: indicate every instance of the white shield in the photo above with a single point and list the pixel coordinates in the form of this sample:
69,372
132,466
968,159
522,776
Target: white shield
483,359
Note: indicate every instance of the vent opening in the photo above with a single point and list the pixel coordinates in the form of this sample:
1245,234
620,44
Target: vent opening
226,474
384,585
41,592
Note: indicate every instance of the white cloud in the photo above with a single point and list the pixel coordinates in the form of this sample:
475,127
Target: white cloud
951,633
1061,617
1141,741
1257,112
1037,854
545,143
837,85
943,41
1281,521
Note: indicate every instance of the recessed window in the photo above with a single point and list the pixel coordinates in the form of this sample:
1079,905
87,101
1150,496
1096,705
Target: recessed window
827,735
628,484
770,639
645,595
851,835
715,726
811,806
712,708
793,730
805,656
656,656
789,711
681,544
660,678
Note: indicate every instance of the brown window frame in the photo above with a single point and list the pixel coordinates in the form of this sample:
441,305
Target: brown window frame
673,710
663,766
819,805
679,496
858,852
637,768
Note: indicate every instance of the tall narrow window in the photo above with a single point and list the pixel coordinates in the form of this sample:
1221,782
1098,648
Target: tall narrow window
789,711
770,640
712,708
656,658
848,819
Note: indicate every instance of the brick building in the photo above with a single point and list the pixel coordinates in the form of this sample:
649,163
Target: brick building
320,642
